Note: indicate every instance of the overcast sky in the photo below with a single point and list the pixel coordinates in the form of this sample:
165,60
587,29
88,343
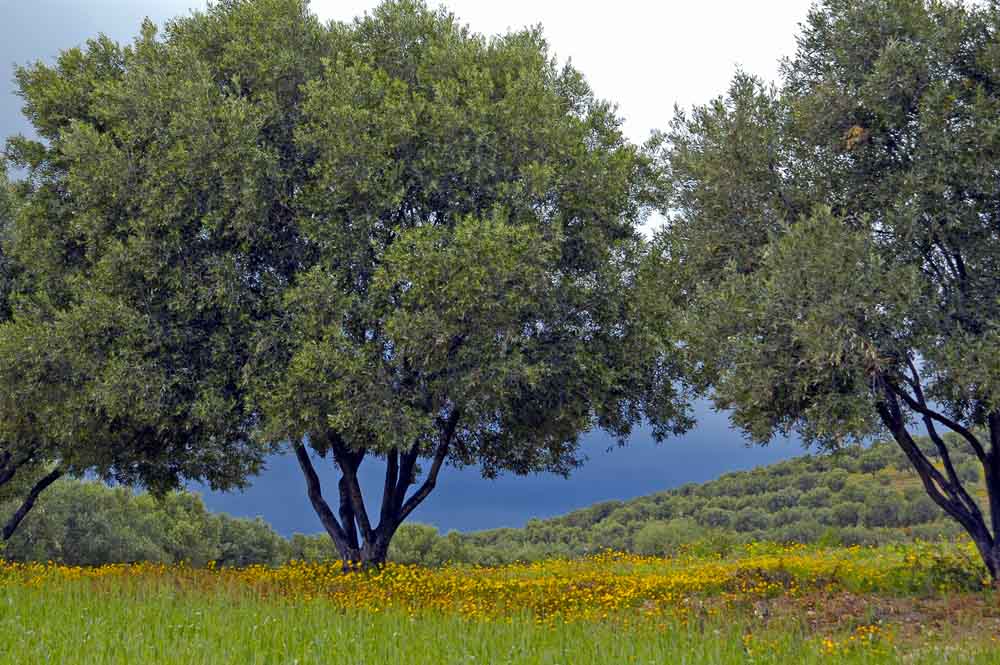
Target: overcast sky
646,57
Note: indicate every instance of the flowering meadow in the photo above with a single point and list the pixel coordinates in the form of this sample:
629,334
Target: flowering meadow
762,603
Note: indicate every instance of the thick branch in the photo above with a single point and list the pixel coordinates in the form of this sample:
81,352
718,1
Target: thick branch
347,517
349,461
29,502
387,512
9,466
439,456
942,447
934,483
319,504
974,443
406,469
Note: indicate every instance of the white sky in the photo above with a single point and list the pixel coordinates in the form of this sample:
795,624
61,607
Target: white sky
645,56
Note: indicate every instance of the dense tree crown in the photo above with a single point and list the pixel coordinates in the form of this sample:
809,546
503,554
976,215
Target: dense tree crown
391,238
837,240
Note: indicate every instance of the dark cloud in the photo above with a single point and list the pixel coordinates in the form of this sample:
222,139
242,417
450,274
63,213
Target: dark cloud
463,500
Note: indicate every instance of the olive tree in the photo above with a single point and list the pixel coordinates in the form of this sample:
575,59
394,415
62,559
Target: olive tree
120,356
388,239
836,242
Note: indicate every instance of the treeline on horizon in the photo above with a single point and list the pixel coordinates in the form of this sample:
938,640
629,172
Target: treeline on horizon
862,496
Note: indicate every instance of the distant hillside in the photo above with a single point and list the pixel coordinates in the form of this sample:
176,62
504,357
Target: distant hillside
855,496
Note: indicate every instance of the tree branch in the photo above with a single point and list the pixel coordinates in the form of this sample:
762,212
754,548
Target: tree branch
974,443
349,461
389,488
347,517
439,456
409,463
319,504
934,483
942,447
8,467
29,502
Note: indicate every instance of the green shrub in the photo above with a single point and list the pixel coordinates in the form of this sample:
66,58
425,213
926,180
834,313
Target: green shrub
717,518
847,514
665,538
783,499
750,519
816,498
834,479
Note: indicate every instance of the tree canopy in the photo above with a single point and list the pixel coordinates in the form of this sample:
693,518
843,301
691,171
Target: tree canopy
391,238
837,245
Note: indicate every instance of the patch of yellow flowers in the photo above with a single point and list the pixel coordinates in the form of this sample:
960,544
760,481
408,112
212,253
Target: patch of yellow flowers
606,585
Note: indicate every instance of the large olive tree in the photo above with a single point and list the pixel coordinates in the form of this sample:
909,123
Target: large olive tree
391,238
837,241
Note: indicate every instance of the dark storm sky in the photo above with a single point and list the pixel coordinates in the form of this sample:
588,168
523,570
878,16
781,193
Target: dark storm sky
38,29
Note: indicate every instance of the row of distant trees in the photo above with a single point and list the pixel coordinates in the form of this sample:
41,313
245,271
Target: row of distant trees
395,239
859,499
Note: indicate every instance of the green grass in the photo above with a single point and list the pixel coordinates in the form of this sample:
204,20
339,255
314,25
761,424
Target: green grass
73,624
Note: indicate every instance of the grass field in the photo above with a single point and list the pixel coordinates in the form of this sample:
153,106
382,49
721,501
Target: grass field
918,603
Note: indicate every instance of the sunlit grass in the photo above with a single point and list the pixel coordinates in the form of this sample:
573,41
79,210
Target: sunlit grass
763,604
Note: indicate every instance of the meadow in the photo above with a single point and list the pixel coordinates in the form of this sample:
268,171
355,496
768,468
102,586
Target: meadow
762,603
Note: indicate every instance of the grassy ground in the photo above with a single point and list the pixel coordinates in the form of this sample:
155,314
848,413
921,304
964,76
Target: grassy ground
763,605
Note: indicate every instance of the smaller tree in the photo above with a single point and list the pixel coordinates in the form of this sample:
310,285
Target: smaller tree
93,382
837,245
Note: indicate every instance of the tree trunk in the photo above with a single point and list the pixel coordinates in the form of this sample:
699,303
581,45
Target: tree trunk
992,477
360,544
947,490
375,553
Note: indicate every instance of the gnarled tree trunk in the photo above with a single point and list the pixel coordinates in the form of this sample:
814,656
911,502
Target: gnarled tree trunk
945,487
360,543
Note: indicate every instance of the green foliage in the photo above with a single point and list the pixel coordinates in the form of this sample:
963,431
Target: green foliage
665,538
88,523
7,269
832,242
413,543
692,517
388,237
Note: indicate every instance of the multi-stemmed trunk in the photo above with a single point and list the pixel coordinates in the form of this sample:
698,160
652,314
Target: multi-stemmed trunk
360,543
945,487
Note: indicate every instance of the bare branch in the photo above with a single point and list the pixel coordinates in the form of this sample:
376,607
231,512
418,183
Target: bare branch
439,456
349,461
407,466
319,504
942,447
934,483
924,410
29,502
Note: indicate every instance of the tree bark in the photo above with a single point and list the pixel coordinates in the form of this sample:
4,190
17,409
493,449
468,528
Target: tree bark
322,508
360,544
29,502
947,492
